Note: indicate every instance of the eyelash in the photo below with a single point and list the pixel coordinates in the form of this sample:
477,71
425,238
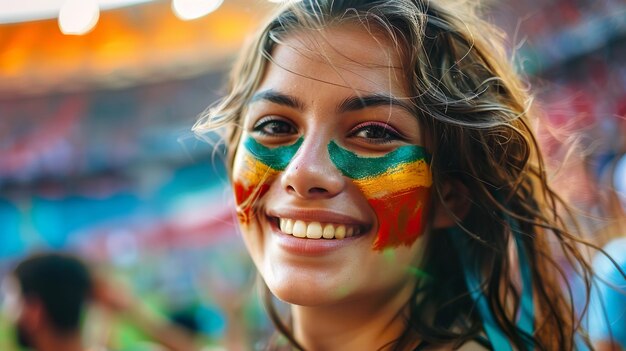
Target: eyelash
266,121
391,134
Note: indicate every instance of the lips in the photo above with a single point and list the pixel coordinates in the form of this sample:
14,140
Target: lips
314,233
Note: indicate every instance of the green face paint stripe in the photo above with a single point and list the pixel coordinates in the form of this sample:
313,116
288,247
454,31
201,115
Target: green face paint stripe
277,158
357,167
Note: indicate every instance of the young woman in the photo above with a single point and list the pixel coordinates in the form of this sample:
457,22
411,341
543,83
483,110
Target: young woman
388,185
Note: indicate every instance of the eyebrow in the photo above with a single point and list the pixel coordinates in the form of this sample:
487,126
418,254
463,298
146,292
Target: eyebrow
352,103
355,103
278,98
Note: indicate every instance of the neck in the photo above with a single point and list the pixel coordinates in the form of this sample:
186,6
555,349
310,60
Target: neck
51,341
358,324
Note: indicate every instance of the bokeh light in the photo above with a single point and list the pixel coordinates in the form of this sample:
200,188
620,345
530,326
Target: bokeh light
193,9
78,17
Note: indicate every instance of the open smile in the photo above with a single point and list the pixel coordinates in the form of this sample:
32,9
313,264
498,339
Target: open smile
316,224
317,230
306,234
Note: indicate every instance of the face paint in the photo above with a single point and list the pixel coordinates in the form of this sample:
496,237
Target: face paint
254,168
397,187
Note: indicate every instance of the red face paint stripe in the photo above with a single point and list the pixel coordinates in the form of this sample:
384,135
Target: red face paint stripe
245,197
250,182
401,217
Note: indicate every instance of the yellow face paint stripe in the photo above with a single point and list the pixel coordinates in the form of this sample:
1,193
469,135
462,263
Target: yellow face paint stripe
401,178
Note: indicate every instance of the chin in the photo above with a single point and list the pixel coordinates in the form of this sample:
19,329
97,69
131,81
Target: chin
304,295
306,286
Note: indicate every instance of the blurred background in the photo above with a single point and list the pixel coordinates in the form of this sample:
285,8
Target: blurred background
97,98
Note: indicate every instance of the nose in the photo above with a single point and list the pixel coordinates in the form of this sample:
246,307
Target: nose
311,173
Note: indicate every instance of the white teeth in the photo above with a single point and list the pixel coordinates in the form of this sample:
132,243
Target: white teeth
314,230
299,229
329,231
317,230
288,226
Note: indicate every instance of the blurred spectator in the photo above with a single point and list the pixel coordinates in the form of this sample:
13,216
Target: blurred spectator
119,300
45,298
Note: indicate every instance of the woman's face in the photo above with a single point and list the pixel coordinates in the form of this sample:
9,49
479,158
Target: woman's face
330,176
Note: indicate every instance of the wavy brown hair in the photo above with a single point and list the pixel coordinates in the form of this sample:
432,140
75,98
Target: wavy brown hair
476,114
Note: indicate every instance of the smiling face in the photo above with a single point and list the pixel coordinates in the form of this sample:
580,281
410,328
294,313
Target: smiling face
330,175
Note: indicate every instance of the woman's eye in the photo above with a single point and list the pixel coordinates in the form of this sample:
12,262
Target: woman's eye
376,132
274,127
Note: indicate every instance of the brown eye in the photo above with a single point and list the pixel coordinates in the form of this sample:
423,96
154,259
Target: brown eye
274,127
375,132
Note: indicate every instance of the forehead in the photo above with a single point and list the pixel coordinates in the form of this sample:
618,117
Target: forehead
348,56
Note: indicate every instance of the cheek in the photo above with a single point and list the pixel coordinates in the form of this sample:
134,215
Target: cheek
251,180
255,167
400,199
397,187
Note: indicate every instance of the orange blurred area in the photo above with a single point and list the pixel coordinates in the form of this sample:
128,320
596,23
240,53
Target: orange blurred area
142,43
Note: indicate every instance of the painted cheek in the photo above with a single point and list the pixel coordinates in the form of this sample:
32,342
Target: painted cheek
400,201
397,187
250,182
254,169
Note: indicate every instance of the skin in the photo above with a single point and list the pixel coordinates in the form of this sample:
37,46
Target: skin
352,297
